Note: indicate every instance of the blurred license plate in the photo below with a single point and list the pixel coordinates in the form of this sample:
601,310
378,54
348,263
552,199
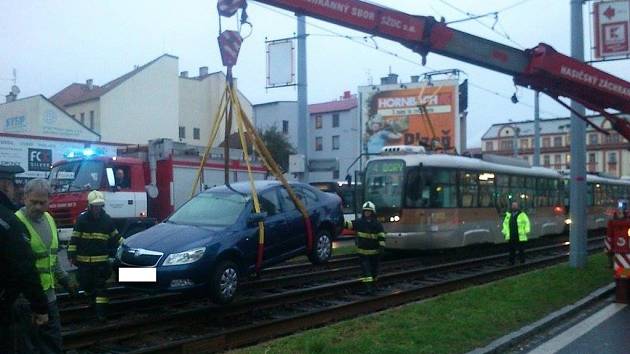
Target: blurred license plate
144,275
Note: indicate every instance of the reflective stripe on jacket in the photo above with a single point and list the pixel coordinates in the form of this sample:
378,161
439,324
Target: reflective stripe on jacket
45,257
93,239
370,234
524,228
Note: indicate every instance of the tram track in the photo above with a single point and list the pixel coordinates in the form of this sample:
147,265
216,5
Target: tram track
215,328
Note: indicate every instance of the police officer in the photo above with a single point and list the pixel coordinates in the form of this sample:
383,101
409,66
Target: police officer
93,241
370,237
516,227
18,275
41,231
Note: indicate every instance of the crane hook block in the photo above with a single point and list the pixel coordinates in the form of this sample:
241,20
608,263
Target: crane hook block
230,45
227,8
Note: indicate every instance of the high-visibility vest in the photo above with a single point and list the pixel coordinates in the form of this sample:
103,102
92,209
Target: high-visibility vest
522,221
45,258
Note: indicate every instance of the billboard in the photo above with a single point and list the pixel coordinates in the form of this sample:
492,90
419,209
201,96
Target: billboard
611,28
36,156
280,63
391,115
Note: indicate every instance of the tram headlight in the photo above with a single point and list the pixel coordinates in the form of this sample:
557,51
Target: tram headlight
186,257
567,221
394,218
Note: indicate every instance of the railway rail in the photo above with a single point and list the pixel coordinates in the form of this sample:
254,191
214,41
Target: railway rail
203,327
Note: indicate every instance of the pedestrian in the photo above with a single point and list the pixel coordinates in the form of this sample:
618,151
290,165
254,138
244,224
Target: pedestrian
369,240
516,227
41,231
93,241
17,262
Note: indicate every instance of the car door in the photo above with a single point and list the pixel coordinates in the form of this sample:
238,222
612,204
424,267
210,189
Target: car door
296,235
275,225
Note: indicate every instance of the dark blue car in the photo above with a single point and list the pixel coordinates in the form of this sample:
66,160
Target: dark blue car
211,241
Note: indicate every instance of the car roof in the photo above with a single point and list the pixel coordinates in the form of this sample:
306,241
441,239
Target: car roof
244,187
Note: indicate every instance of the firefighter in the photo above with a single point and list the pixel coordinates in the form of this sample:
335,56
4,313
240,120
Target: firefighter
93,241
41,230
516,227
18,275
370,237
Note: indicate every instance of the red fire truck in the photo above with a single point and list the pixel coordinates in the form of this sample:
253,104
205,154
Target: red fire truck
142,185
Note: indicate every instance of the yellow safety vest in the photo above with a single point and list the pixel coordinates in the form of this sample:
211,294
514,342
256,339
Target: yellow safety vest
46,258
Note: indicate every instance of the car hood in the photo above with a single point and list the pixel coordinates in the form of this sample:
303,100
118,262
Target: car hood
172,238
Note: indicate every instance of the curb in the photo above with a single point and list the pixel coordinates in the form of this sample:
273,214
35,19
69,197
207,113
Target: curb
504,343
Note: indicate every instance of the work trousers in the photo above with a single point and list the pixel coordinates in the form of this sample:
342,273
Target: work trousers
517,246
93,280
369,269
30,338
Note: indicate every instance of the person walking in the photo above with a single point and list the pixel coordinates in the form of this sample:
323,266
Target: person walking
93,241
19,275
516,227
369,240
41,231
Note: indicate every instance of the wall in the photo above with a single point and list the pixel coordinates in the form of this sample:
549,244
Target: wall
85,108
143,107
269,114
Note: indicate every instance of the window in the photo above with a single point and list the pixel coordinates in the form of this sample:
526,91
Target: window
182,132
319,143
507,144
468,188
591,158
503,195
335,174
306,195
335,120
592,139
547,161
285,127
122,177
318,122
91,119
335,142
196,133
486,190
524,144
269,202
83,118
612,158
431,188
546,142
557,141
557,160
286,201
489,146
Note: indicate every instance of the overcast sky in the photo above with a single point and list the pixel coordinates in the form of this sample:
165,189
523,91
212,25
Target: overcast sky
52,43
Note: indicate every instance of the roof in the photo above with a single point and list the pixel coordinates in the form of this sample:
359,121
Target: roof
77,93
547,126
333,106
273,102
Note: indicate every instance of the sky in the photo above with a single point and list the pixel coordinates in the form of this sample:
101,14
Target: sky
52,43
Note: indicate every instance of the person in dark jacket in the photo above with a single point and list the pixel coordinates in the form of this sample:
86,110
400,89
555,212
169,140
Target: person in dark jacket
370,237
93,241
18,275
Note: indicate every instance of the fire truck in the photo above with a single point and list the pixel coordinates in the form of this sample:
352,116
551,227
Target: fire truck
142,184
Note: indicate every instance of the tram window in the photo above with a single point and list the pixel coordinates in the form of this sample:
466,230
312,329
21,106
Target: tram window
598,194
414,197
431,188
486,190
503,191
468,189
542,192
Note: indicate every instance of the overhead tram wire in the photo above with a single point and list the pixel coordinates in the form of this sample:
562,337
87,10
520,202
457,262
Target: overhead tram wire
363,40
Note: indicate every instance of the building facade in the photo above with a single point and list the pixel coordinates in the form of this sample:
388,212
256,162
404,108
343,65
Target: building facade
333,139
281,114
607,154
152,101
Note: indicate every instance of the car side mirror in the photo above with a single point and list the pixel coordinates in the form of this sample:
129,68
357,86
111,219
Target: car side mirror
255,218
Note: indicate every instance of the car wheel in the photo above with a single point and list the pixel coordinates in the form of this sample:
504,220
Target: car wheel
225,282
322,247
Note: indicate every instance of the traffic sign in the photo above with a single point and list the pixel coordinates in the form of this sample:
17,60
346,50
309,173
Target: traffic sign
612,24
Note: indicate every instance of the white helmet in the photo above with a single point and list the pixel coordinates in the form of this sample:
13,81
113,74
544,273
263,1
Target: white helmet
96,198
369,206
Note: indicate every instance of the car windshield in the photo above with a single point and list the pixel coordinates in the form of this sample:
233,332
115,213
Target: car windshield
76,176
211,209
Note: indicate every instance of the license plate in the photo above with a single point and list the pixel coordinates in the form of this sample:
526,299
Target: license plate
142,275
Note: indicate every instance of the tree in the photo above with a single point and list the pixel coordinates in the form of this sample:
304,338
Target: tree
278,145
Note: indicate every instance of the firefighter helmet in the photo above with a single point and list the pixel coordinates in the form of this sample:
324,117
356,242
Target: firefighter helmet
96,198
369,206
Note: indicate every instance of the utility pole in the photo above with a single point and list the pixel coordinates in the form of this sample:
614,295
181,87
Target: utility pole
537,129
302,95
578,253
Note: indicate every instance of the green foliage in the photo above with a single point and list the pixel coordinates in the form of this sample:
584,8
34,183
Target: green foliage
278,145
453,323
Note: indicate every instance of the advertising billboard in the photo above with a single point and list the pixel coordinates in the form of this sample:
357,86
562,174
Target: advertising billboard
391,115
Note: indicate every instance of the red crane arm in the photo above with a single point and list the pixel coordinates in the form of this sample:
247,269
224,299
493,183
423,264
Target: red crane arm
541,68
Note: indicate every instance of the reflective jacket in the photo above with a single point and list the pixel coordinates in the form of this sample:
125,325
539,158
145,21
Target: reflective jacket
370,234
93,239
45,257
524,228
